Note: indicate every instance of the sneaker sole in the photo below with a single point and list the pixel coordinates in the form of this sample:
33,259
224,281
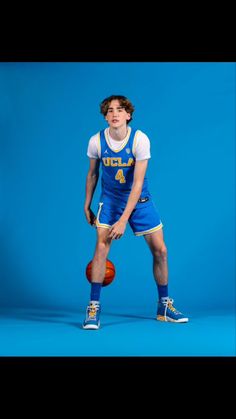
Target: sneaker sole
91,326
169,319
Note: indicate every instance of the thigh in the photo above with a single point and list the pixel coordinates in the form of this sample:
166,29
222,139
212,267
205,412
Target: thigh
155,240
102,235
145,220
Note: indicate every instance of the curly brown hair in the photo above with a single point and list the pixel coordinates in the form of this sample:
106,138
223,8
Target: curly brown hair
123,101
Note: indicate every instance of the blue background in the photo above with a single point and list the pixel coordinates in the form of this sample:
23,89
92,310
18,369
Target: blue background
48,112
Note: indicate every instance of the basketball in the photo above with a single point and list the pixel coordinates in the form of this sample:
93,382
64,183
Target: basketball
109,274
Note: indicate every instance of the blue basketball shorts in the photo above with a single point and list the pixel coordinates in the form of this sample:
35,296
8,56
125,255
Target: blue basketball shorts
143,220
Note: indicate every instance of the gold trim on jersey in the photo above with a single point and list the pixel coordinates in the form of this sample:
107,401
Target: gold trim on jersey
98,224
151,230
102,225
125,140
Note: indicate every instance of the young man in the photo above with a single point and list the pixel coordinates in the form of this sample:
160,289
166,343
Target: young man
123,153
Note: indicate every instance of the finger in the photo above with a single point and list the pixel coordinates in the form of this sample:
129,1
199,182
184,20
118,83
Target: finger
117,236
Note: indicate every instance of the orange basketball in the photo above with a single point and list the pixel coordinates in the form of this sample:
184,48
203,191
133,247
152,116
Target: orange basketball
109,274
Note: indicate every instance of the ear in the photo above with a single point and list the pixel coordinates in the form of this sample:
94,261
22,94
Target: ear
128,116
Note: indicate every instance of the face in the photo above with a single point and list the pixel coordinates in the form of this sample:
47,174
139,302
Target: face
116,115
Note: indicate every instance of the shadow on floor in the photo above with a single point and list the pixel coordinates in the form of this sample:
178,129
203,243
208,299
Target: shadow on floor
66,317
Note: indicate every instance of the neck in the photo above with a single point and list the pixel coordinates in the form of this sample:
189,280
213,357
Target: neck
118,134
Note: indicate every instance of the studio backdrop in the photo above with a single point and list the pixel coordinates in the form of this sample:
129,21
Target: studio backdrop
48,112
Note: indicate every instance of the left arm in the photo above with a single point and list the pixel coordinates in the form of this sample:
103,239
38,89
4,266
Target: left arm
118,229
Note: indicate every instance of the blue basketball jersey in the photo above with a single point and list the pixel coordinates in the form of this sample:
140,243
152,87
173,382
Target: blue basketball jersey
118,171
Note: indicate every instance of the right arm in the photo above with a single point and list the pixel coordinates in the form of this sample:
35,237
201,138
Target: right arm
91,183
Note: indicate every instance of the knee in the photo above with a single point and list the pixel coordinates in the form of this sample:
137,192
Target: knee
160,252
102,249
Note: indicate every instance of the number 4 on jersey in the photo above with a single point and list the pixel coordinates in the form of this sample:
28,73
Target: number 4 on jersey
120,176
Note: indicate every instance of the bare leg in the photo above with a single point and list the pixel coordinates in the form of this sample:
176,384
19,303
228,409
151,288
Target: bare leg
157,246
101,251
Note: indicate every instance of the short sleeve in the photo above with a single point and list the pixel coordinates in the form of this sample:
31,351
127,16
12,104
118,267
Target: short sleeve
93,151
142,147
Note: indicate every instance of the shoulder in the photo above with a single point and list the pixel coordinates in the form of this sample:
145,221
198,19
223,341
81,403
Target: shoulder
140,136
95,138
141,146
94,146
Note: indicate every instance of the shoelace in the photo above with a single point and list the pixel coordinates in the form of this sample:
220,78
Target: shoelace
92,311
168,303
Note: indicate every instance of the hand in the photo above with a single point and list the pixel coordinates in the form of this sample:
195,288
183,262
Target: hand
117,230
90,217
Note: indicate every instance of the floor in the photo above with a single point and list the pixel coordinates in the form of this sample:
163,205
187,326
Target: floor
131,333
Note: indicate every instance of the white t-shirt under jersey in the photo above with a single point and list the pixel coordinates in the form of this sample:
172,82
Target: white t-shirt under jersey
141,152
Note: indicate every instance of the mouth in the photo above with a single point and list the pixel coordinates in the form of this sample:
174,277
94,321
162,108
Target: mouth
115,120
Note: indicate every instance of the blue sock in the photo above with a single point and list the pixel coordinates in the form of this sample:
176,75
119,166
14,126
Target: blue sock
95,291
162,291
